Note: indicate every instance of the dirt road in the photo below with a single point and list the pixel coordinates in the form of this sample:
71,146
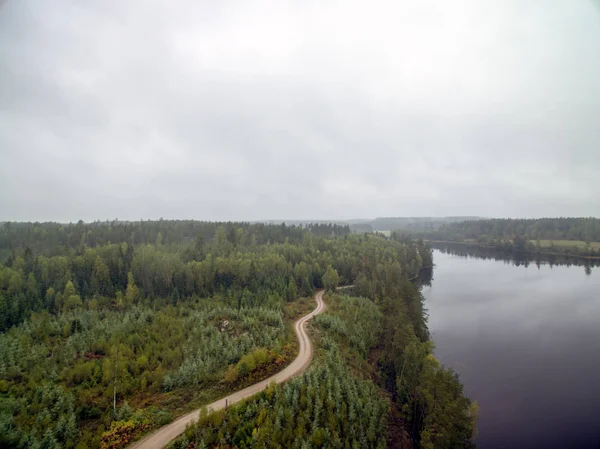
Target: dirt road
162,436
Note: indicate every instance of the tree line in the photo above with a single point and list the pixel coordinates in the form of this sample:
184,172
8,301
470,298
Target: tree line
429,397
575,236
55,238
242,261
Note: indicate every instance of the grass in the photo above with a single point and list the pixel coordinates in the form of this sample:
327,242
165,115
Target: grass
566,244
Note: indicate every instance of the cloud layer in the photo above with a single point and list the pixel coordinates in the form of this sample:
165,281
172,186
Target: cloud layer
251,110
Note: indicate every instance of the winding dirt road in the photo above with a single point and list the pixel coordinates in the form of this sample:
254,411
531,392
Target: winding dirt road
162,436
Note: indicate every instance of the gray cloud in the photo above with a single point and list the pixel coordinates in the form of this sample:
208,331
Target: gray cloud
250,110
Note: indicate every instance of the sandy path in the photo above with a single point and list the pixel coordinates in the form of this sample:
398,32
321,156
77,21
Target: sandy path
164,435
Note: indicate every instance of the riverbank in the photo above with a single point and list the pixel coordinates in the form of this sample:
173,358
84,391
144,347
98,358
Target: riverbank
567,253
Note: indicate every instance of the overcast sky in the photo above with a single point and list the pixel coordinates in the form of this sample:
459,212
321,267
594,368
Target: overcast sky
247,110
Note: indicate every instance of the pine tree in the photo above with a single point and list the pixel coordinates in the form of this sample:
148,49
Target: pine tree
292,290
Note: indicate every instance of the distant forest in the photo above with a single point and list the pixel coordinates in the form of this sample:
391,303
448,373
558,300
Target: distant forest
54,238
111,329
574,236
386,223
414,223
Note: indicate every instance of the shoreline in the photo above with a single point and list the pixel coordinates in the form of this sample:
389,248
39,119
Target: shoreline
525,253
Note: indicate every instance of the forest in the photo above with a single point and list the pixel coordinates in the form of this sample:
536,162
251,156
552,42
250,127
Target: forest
414,223
348,398
111,329
557,236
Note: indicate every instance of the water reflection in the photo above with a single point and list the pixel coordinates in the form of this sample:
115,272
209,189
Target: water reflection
425,277
525,339
509,257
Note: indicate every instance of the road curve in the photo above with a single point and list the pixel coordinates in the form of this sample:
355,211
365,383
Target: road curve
164,435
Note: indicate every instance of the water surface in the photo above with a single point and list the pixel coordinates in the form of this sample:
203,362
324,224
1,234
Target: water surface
526,343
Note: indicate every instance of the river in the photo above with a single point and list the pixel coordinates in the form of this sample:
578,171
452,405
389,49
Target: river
525,340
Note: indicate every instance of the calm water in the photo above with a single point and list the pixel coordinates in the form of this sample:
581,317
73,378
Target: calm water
526,343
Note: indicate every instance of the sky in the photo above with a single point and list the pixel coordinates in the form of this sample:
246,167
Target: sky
249,110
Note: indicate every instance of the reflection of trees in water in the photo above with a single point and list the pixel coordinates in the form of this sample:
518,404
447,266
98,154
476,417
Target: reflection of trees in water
518,259
425,276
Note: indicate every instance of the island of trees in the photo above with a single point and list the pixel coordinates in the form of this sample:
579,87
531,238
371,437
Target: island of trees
111,329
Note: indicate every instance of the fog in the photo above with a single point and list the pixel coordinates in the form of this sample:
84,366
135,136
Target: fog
311,110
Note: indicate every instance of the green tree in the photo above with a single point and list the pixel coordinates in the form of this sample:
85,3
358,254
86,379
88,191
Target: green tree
101,277
331,278
73,302
132,293
49,299
69,291
292,290
5,321
221,241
